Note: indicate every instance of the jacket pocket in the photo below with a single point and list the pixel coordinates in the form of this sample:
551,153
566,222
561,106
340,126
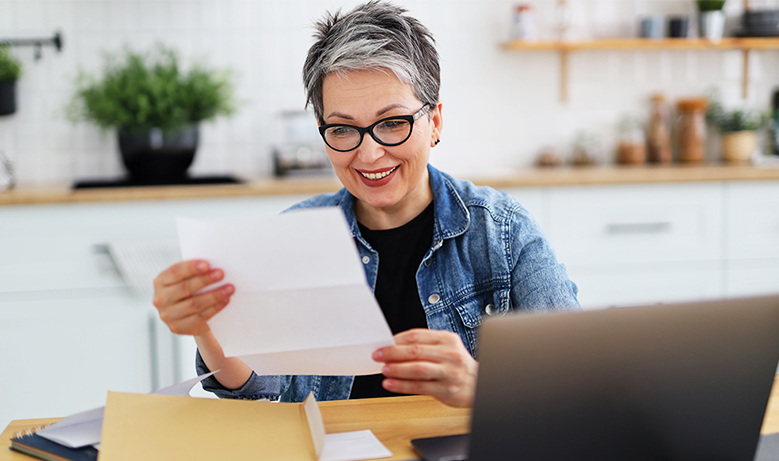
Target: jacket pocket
472,309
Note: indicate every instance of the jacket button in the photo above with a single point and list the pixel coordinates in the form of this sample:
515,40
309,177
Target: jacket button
434,298
366,259
489,309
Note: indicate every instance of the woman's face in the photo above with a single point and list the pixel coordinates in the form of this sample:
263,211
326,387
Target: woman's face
387,181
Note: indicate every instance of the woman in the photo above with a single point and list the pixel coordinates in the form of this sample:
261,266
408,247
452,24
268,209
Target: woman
438,252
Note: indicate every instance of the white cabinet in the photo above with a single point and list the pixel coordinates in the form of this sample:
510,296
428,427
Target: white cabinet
70,328
60,356
636,223
644,244
626,285
753,220
752,245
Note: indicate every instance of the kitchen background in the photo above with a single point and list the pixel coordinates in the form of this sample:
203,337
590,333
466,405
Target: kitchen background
501,107
72,325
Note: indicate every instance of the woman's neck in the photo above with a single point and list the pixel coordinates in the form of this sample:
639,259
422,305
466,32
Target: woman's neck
397,215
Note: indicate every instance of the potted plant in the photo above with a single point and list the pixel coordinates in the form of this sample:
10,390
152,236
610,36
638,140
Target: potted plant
10,71
711,19
155,107
738,129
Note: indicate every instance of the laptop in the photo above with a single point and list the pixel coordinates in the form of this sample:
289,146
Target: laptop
665,382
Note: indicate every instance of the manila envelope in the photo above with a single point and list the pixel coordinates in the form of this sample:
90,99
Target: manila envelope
160,427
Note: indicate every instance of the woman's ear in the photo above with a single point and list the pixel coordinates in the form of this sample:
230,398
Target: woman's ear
438,123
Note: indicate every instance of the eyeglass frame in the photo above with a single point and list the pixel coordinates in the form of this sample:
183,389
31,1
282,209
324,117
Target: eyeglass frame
369,129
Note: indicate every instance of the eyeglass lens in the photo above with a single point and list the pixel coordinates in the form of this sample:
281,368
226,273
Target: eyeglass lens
393,131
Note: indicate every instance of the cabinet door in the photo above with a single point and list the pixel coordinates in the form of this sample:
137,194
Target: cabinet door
628,224
60,356
752,227
752,277
643,284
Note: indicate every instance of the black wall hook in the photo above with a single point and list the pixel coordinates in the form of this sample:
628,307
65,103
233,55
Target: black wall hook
38,43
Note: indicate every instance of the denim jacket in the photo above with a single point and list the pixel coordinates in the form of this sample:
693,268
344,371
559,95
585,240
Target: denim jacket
488,257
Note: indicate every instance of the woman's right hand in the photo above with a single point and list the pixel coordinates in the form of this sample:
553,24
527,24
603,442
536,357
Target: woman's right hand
183,311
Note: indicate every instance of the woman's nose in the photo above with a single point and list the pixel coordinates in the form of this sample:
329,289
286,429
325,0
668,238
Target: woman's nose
369,150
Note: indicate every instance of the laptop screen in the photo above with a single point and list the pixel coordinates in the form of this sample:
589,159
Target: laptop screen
667,382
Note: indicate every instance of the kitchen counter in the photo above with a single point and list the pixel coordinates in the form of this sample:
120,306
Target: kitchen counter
531,177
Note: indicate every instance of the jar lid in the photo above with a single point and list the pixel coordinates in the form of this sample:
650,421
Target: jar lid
657,97
692,104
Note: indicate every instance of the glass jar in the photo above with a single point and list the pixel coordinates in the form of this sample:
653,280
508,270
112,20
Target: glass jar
523,26
691,130
631,149
586,149
658,132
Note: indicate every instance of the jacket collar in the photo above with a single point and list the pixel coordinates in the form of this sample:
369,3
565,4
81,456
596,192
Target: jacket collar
451,217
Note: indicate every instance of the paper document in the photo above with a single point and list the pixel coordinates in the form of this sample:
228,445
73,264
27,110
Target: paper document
351,446
82,429
301,303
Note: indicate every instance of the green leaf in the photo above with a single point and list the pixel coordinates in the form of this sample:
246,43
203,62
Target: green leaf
710,5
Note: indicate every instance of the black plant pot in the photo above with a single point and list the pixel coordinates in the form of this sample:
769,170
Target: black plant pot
153,155
7,97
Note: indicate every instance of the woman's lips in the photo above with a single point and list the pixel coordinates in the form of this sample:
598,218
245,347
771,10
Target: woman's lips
377,178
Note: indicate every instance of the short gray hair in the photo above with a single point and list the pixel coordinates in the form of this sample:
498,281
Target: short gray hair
374,35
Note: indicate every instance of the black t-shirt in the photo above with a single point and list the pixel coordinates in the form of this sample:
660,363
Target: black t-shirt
400,253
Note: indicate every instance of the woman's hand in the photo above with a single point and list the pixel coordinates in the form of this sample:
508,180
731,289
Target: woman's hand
430,362
183,311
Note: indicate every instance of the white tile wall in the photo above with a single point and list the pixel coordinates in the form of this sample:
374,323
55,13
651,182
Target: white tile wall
501,107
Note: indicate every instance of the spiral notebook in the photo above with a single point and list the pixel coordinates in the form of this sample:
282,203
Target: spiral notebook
32,444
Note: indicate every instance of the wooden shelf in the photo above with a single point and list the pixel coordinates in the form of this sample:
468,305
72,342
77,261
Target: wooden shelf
617,44
638,44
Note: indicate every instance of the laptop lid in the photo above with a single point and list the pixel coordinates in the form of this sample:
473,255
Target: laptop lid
667,382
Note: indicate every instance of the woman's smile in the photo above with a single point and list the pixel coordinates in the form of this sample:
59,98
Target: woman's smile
379,177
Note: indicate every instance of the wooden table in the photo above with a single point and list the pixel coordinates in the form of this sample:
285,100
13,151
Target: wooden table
394,420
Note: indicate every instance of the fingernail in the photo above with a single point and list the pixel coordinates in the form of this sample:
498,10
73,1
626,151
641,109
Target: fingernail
228,290
378,355
202,266
385,369
388,384
216,275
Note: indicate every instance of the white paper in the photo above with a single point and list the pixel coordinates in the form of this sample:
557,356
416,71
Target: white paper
85,428
350,446
301,304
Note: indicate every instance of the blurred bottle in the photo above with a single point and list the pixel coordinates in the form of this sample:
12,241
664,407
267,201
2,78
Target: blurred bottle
658,132
691,130
524,26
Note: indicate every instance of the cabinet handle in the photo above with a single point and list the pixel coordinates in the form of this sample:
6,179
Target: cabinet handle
638,228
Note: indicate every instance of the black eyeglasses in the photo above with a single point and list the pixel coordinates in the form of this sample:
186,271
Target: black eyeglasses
390,131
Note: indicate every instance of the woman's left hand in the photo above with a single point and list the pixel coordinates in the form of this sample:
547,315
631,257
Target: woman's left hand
430,362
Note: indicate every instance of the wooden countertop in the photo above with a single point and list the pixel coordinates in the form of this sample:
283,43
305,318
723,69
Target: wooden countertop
531,177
